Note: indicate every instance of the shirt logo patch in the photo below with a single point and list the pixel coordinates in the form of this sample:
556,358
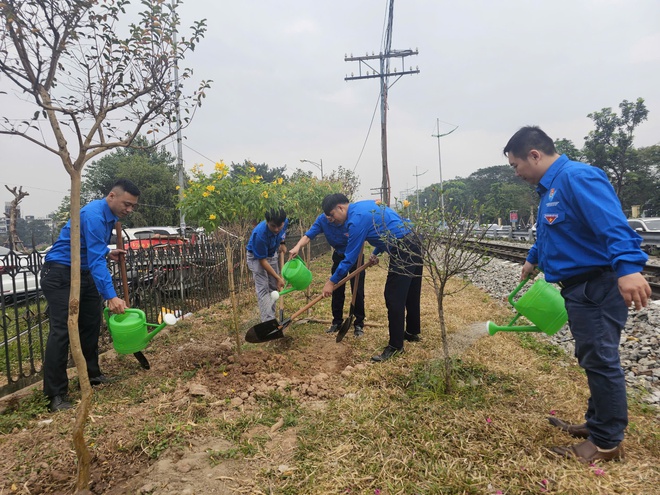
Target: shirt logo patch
550,217
552,193
553,203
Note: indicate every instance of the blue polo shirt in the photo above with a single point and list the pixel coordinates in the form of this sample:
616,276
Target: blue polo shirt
263,243
96,224
336,235
368,221
581,225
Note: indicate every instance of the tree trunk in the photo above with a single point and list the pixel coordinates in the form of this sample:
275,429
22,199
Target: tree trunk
445,344
83,409
232,291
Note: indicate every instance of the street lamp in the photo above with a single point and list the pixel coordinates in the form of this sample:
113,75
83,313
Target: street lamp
438,135
317,165
417,185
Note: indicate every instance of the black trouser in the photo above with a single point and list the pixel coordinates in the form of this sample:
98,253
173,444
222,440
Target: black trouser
339,294
56,284
403,289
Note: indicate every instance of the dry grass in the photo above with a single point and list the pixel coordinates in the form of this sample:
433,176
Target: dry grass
397,433
393,431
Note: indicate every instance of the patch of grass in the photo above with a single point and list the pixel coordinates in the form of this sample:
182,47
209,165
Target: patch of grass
167,386
542,348
274,406
188,374
161,434
19,413
469,383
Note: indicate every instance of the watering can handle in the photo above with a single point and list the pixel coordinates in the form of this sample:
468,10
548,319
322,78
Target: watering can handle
106,312
517,289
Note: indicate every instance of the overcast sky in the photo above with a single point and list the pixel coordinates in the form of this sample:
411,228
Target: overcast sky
279,93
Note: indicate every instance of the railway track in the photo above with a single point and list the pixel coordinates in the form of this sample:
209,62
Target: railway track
518,254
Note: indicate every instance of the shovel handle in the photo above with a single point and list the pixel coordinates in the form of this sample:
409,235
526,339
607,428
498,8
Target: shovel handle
281,300
357,280
122,262
340,283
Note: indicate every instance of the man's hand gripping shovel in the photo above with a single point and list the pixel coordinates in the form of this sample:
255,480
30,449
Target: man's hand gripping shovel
272,330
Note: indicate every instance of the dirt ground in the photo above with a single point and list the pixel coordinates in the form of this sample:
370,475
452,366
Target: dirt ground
138,440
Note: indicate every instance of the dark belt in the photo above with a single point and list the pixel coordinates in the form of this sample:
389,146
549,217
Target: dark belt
584,277
52,264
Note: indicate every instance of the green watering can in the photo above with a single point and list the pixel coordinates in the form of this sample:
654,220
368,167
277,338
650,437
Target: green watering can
542,304
296,275
129,330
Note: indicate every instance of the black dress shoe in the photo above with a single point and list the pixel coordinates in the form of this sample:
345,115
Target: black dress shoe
388,352
101,380
333,328
59,403
411,337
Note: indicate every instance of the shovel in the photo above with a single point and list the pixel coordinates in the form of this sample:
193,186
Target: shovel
346,324
281,301
142,359
272,330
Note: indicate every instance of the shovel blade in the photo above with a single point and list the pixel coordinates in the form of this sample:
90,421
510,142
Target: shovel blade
263,332
345,326
142,359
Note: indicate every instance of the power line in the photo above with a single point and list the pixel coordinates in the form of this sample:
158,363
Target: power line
37,188
200,154
368,132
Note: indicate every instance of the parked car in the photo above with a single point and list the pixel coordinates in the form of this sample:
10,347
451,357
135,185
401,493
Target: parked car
18,273
648,224
145,237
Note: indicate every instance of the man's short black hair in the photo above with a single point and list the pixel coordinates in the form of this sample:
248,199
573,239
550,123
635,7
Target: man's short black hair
276,215
332,200
126,186
529,138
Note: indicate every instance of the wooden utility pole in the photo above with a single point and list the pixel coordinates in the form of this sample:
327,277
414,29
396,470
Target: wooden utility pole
383,73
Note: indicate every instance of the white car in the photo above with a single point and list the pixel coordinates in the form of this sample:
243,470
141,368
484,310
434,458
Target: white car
19,274
648,224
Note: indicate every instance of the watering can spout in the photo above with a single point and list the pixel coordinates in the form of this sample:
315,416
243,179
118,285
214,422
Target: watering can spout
168,319
153,333
493,328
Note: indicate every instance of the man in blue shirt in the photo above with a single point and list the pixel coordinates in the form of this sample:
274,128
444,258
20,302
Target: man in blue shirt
585,245
266,241
97,220
337,237
384,229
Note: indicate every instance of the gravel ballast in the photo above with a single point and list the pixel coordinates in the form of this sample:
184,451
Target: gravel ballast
640,339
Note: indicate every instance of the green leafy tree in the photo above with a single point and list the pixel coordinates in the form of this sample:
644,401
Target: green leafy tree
503,198
153,170
91,80
349,182
268,174
566,147
643,184
610,145
35,233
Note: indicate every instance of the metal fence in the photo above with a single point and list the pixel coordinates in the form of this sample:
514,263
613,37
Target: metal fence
181,278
